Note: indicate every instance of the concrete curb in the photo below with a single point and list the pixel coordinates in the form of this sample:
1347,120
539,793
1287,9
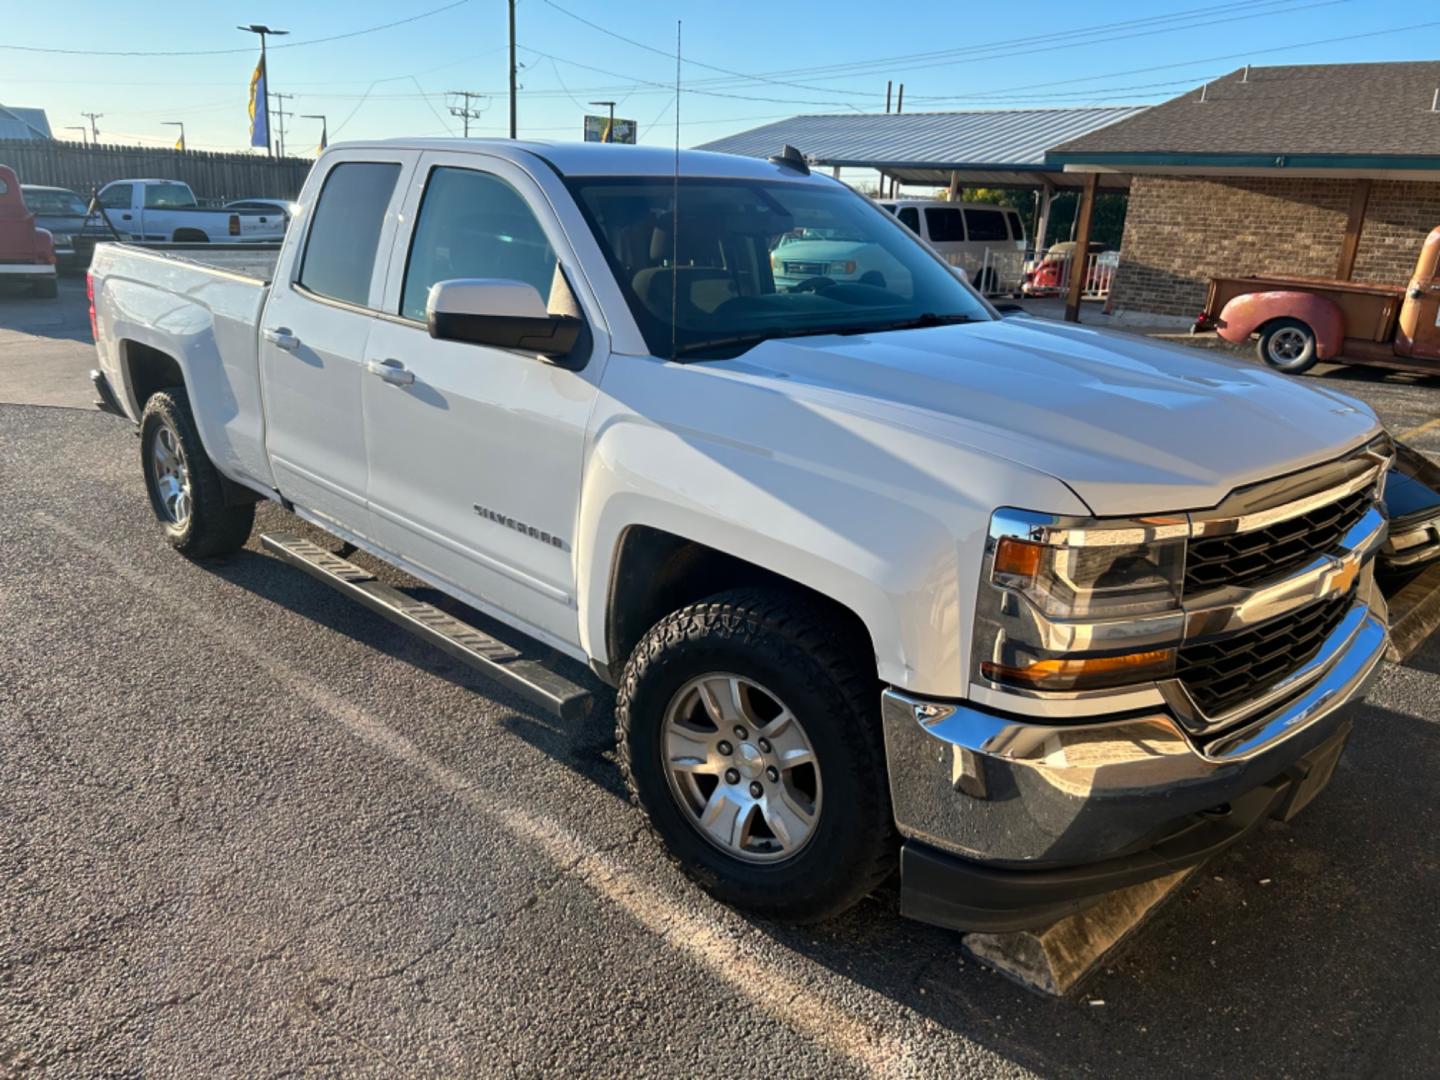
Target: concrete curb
1055,960
1414,615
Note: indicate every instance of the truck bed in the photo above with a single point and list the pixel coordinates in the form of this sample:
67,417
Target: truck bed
255,261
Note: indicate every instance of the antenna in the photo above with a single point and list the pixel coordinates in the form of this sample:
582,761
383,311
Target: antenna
675,215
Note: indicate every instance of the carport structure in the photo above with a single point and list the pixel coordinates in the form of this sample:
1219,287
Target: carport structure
1001,148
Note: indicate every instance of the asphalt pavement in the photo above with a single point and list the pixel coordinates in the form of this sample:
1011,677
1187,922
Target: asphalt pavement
249,829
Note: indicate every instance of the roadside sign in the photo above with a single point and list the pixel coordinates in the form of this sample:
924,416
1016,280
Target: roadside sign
595,130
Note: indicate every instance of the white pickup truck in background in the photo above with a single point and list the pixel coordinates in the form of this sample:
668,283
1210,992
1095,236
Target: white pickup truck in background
167,211
1033,610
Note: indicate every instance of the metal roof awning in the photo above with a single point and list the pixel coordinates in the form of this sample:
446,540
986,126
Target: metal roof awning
985,148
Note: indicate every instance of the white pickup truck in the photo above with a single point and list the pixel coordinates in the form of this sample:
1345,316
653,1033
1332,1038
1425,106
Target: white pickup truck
1034,610
167,211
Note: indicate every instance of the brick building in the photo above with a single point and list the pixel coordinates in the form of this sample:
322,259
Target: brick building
1323,170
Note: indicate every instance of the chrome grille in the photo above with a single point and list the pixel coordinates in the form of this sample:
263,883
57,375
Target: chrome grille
1249,558
1224,672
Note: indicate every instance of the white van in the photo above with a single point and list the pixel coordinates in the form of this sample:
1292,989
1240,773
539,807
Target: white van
986,240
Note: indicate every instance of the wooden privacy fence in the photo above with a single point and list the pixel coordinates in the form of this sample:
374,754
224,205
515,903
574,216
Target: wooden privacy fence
214,177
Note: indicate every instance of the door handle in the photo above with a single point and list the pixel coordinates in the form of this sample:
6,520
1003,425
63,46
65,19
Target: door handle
282,338
392,371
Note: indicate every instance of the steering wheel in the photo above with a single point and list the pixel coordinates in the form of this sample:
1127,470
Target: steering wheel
813,284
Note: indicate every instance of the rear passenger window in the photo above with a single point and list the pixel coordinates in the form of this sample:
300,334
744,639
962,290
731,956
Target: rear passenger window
908,215
986,225
1017,230
345,233
944,223
474,225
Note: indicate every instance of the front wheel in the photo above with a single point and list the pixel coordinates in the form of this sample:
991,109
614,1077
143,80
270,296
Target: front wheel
1288,345
749,732
185,489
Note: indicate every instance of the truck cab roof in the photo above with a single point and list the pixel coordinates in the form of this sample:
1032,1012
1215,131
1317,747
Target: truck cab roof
602,159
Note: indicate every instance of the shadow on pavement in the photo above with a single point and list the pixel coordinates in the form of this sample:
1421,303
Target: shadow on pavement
1304,950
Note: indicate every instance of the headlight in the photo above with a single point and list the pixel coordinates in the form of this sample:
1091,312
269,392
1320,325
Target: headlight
1079,604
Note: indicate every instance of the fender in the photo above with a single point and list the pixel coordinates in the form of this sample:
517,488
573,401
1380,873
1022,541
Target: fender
1247,314
223,387
887,521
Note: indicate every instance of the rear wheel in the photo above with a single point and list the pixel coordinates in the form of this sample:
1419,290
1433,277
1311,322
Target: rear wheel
185,489
749,731
1288,345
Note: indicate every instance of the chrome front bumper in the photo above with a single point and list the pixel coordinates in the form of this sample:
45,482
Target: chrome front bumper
1016,791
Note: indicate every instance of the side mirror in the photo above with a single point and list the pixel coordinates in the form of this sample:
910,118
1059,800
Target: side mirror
499,312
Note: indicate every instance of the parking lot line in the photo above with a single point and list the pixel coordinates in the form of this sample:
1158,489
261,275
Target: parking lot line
1420,429
802,1006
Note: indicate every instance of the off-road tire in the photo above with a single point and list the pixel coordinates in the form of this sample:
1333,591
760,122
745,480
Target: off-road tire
785,643
1278,329
212,528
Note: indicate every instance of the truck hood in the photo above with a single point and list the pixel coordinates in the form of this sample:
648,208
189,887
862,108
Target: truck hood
1130,425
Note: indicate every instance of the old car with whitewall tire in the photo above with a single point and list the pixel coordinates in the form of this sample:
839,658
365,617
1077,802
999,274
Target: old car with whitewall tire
881,580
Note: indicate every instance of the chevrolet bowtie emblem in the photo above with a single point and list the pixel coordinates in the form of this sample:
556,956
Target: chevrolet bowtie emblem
1342,578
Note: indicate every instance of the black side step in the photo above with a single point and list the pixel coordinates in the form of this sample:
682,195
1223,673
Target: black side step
529,678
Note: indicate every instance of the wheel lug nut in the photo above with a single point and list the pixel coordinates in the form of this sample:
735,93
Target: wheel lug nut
756,790
725,748
741,733
764,745
773,774
732,776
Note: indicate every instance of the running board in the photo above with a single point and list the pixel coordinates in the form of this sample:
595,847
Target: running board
529,678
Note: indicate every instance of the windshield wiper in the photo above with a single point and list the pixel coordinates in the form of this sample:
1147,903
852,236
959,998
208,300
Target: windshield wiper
917,323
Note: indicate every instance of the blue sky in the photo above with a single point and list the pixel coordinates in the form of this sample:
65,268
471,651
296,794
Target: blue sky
831,57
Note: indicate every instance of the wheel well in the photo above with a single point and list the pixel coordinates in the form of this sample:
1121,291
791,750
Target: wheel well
190,236
656,572
148,370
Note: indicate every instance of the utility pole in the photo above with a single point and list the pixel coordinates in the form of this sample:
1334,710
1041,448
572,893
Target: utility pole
262,30
84,132
609,131
324,127
464,111
94,131
512,69
181,125
279,111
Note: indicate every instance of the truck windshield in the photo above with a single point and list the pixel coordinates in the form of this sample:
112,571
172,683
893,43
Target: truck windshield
763,259
168,197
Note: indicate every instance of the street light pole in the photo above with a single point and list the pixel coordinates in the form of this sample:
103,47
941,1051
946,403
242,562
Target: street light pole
84,132
262,30
609,131
181,125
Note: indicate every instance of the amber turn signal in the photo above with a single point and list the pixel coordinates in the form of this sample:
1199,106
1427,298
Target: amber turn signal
1083,673
1018,558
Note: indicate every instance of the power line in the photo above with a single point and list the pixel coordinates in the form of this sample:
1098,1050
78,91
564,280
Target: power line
1209,59
1190,18
224,52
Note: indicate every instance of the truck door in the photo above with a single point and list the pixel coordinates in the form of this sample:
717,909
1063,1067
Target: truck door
118,201
313,331
475,452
